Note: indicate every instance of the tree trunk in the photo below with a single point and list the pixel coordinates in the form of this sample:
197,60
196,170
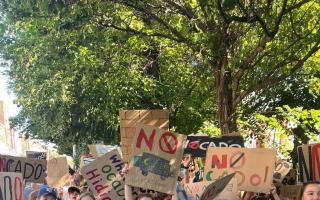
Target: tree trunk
226,110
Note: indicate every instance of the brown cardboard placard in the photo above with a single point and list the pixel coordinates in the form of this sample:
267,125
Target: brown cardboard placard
282,169
216,187
229,192
105,177
58,171
32,170
11,186
129,120
194,190
252,175
156,159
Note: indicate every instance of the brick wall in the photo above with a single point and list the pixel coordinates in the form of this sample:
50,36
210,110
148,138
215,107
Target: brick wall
129,119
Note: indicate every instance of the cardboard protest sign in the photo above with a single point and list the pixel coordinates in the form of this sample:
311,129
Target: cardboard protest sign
195,190
229,192
100,149
309,162
252,175
32,170
104,176
197,145
155,160
291,191
282,169
290,178
36,155
11,186
215,188
86,159
57,169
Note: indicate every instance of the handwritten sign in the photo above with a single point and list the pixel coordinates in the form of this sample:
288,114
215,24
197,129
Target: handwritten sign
229,192
194,190
282,169
252,175
11,186
104,176
309,162
215,188
197,145
156,158
36,155
58,171
32,170
291,191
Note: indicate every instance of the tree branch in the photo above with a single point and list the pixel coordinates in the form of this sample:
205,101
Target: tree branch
269,81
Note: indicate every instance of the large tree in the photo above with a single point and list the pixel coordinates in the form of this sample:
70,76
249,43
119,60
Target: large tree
249,46
74,63
72,76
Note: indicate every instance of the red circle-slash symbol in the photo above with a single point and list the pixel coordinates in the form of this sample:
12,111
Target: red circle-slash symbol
164,142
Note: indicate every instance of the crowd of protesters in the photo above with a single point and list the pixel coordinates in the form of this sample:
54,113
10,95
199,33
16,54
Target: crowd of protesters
190,172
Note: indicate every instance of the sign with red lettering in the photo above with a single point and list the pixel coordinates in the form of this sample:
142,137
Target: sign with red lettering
252,175
105,177
309,162
215,188
197,145
32,170
155,160
11,186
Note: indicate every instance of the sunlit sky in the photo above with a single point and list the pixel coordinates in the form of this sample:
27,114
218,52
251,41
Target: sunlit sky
7,96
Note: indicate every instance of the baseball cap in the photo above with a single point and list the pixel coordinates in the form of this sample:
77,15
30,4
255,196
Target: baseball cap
46,191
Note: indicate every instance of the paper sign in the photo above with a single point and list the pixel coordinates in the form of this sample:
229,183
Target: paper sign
252,175
195,190
309,162
215,188
282,169
36,155
136,191
104,176
100,149
11,186
57,169
197,145
86,159
290,178
32,170
155,160
291,191
229,192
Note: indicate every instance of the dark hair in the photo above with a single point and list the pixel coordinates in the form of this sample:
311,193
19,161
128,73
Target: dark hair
87,194
304,186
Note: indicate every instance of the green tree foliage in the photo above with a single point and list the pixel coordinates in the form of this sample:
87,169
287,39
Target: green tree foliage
72,76
73,64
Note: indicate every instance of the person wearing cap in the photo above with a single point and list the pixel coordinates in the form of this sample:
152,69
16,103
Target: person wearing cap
73,193
46,193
